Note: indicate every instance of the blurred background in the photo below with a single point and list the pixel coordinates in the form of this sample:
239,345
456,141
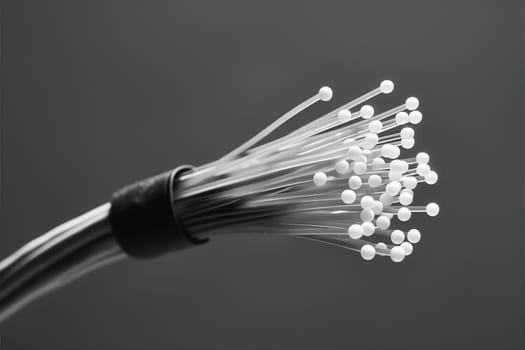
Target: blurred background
97,94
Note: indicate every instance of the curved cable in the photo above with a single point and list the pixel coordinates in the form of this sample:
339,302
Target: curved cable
36,256
97,254
56,258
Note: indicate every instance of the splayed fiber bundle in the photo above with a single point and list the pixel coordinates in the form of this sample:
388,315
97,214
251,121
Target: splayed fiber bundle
339,179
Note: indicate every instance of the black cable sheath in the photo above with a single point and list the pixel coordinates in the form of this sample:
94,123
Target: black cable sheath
144,216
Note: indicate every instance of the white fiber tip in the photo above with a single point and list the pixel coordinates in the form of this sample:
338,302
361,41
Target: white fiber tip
397,236
405,198
378,161
348,196
407,143
367,111
354,152
407,133
410,182
414,236
412,103
370,141
374,181
422,158
366,215
342,167
390,151
407,247
344,115
402,118
355,231
395,175
393,188
397,254
367,202
354,182
386,199
406,190
423,169
375,126
387,86
325,93
431,178
383,222
397,165
432,209
320,178
368,228
359,167
415,117
368,252
377,208
404,214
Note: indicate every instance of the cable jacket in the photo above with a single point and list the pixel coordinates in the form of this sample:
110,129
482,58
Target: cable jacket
144,216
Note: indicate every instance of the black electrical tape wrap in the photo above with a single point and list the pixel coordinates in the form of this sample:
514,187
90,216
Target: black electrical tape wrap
144,216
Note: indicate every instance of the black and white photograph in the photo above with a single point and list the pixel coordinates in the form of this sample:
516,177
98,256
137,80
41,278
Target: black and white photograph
262,174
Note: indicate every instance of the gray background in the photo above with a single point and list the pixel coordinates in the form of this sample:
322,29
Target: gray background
97,94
